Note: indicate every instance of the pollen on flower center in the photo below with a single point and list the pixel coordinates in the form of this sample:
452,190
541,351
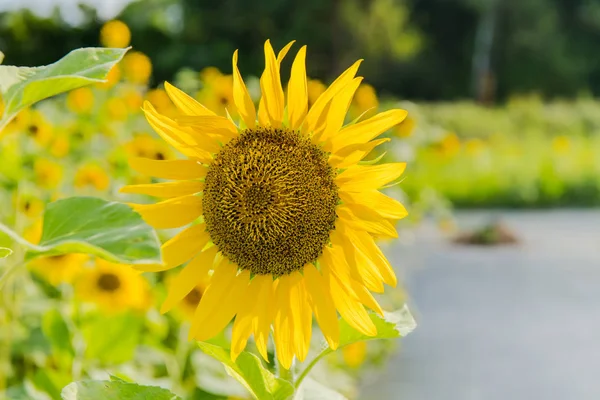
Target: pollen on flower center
269,201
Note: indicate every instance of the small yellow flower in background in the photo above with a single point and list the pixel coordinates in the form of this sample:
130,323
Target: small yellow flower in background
38,128
209,75
354,354
115,34
59,269
406,127
29,205
450,144
315,88
116,109
48,174
18,123
33,233
81,100
145,146
160,100
113,287
365,101
114,76
92,175
474,146
134,100
217,95
187,307
60,146
256,191
137,67
561,144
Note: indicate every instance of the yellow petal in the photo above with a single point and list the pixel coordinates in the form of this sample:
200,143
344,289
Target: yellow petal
166,189
261,324
249,311
220,302
188,278
168,169
152,267
186,104
270,86
350,309
263,117
367,245
210,124
283,52
379,227
376,202
322,303
171,213
361,267
283,327
241,97
185,245
368,177
317,108
297,96
181,138
337,111
366,130
301,316
351,155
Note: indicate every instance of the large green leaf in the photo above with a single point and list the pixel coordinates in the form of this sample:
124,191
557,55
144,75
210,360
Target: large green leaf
393,325
90,225
249,371
114,390
24,86
313,390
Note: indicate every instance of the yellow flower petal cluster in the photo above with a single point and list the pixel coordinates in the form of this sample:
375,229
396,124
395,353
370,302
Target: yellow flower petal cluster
272,256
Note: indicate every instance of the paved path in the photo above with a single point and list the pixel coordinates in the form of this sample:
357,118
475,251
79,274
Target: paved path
503,323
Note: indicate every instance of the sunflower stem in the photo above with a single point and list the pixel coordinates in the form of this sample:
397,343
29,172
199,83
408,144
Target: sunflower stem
287,374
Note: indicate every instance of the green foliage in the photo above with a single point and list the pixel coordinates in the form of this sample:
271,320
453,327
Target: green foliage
110,230
114,390
55,329
112,338
24,86
5,252
313,390
249,371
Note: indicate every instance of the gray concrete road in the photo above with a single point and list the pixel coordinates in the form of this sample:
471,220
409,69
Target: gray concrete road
501,323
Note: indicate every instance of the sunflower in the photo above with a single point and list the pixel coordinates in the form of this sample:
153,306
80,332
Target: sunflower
81,100
113,287
289,216
92,175
59,269
187,307
145,146
115,33
47,173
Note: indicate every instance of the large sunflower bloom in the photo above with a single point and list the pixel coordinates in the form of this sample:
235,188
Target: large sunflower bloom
288,216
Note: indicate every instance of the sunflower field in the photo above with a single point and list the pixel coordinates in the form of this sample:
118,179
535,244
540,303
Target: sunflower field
91,306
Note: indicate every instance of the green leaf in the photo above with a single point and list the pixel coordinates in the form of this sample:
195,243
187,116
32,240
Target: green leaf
249,371
56,331
109,230
313,390
50,381
5,252
112,339
23,86
114,390
393,325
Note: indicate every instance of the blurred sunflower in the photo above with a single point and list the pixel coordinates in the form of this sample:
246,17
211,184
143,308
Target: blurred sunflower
354,354
92,175
289,216
18,123
113,287
365,102
137,67
406,127
187,307
29,205
48,174
59,269
38,128
116,109
145,146
133,99
315,88
561,144
33,233
217,94
114,76
60,146
81,100
161,101
115,33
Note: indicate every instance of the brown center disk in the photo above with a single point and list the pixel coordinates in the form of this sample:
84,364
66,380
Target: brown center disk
269,201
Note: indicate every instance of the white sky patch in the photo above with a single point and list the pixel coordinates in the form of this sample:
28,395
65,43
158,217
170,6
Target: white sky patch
107,9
